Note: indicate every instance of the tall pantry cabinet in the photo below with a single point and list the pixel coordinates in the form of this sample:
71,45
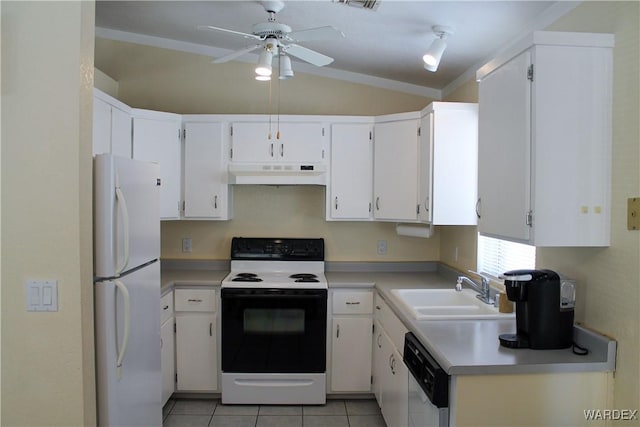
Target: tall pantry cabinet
545,141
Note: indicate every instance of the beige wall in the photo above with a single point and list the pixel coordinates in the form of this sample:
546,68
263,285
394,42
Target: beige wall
47,79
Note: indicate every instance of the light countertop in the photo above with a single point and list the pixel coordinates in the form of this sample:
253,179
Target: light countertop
461,347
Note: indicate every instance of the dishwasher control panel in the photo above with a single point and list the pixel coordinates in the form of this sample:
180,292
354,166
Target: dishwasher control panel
433,380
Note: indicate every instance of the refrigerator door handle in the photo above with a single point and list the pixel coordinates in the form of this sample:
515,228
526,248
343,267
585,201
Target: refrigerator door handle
122,206
122,349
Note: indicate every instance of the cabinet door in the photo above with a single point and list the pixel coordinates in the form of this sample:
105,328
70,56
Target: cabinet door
395,178
101,127
301,143
120,133
351,354
196,355
205,187
111,129
396,396
381,346
504,151
167,359
260,142
351,180
425,170
254,142
158,140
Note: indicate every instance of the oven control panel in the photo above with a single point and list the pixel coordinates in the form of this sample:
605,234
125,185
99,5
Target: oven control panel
279,249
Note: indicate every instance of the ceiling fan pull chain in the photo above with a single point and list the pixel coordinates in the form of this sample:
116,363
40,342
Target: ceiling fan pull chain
269,109
278,112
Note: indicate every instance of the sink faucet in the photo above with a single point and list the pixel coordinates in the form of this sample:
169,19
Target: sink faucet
482,289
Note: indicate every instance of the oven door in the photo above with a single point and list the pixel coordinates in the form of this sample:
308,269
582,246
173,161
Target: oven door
274,330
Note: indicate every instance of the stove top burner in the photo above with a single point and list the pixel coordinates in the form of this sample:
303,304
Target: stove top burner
304,278
246,277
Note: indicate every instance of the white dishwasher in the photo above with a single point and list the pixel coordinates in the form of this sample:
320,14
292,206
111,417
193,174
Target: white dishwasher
428,386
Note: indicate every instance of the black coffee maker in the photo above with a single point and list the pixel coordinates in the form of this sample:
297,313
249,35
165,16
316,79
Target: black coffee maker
544,309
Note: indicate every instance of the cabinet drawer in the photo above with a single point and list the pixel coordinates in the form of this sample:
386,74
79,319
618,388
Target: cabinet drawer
166,307
195,300
352,302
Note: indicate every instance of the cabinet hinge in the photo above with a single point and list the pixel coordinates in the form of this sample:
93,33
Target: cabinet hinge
530,72
529,218
322,131
231,153
419,130
184,133
370,136
418,209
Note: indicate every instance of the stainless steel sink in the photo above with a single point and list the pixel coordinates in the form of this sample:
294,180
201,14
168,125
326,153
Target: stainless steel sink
446,304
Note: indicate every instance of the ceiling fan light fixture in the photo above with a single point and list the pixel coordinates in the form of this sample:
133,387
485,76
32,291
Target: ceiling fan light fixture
434,53
264,63
285,70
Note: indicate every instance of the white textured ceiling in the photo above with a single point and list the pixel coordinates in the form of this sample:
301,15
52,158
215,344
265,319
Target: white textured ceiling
382,47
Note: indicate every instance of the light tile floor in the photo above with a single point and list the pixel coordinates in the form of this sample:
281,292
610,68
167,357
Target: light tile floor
211,413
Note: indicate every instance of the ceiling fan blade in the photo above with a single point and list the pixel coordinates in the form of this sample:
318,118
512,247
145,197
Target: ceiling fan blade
308,55
320,33
224,30
236,54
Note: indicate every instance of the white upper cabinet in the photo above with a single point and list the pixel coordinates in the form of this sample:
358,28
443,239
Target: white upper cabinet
351,181
206,194
273,141
157,138
448,156
111,126
395,167
545,141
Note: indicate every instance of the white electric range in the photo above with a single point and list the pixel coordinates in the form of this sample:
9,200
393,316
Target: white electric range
274,322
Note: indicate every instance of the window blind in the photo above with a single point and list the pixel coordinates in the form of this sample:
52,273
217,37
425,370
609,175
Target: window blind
496,256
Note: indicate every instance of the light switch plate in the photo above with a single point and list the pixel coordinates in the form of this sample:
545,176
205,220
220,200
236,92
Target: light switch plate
633,213
41,295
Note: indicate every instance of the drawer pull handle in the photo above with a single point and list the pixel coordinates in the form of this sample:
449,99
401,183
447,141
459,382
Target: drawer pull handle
353,303
194,300
378,307
166,307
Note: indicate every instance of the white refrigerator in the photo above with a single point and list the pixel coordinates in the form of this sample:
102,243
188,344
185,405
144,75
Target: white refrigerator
127,291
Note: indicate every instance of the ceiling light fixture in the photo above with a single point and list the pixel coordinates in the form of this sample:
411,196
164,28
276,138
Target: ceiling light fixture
434,53
284,67
264,63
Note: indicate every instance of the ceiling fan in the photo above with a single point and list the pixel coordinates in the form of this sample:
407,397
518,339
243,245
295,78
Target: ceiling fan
278,39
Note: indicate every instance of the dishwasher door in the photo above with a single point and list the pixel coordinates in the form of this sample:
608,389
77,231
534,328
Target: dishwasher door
423,413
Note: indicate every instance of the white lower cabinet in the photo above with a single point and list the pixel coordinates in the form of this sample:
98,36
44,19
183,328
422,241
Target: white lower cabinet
167,344
351,341
390,375
196,342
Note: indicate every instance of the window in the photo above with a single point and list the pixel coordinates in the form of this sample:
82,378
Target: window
496,256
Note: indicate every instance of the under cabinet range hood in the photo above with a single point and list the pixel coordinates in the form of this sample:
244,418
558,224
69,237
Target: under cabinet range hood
278,173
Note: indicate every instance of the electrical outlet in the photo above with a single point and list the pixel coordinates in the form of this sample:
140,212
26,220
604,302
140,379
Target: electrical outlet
382,247
186,244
